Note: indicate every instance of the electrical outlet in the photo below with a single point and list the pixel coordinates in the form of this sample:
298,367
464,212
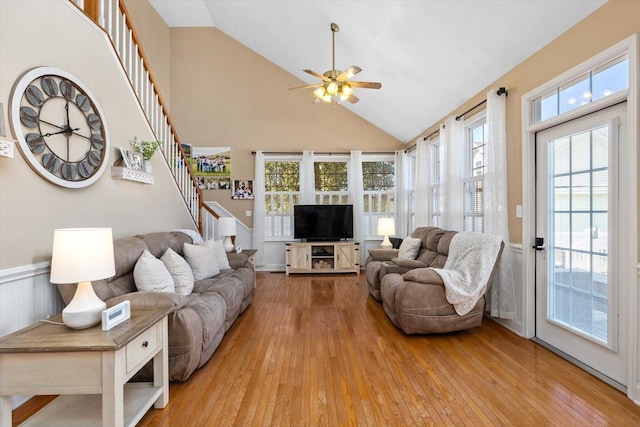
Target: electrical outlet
247,213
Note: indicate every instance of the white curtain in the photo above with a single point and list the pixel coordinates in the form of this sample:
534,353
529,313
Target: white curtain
452,141
356,194
422,183
258,208
496,219
401,162
307,180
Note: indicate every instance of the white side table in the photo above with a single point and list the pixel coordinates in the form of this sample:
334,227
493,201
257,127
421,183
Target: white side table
89,369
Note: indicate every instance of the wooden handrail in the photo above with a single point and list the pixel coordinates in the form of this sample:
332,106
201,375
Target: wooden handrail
208,208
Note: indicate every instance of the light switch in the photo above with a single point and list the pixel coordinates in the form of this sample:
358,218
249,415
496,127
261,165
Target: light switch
519,211
247,213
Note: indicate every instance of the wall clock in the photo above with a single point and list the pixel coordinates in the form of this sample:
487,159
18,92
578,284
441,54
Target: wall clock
60,127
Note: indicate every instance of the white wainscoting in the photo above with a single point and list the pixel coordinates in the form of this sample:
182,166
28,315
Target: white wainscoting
26,297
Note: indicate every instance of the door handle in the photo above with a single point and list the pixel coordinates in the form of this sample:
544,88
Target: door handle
539,245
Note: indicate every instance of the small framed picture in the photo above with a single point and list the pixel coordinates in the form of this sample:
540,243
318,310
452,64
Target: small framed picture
125,158
242,189
135,160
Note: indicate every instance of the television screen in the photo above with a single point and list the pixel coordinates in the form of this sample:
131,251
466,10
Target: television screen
323,222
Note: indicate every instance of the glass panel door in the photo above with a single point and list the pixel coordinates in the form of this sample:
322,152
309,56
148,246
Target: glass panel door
577,296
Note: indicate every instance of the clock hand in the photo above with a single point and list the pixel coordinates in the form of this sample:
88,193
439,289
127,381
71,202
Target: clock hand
50,124
81,136
62,131
66,107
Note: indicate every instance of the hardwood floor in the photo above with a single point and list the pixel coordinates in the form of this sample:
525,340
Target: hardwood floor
317,350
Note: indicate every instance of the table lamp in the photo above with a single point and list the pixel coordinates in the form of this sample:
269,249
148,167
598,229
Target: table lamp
386,228
82,255
227,228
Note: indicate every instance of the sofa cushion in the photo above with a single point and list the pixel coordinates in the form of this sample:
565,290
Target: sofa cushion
150,274
202,260
179,270
409,248
157,243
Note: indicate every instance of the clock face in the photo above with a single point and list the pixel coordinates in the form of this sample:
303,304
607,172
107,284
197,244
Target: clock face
59,127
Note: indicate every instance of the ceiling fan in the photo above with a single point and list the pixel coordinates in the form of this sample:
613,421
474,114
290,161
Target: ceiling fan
336,86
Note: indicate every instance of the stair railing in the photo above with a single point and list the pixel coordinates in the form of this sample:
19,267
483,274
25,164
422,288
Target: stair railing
112,17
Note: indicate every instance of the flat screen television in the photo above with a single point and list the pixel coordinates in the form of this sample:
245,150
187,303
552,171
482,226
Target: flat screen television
323,222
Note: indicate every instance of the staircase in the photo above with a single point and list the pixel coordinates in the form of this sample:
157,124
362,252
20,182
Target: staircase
113,18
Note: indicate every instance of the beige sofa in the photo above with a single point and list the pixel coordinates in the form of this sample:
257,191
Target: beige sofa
413,294
200,320
432,253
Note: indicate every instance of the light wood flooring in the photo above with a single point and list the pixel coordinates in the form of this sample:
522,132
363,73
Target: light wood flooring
317,350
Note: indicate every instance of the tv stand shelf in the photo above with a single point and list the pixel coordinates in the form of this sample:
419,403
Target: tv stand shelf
323,257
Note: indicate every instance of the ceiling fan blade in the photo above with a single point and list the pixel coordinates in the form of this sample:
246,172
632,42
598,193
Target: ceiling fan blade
366,85
348,73
353,99
320,76
306,86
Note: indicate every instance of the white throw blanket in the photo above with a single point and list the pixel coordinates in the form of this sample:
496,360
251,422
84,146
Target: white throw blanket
468,268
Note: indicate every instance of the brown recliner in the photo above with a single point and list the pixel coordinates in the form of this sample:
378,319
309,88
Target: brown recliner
416,303
433,253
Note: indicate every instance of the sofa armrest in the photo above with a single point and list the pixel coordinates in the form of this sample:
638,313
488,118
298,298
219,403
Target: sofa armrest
237,260
146,299
408,263
381,254
423,275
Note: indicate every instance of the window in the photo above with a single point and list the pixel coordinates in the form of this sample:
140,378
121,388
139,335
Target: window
436,190
282,191
476,160
593,85
331,183
379,193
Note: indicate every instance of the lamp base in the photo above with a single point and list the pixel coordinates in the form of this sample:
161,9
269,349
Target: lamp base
386,243
85,309
228,244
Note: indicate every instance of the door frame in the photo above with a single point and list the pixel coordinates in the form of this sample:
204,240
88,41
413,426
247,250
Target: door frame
628,185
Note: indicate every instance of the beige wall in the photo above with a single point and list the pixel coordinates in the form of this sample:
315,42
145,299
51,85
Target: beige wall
30,207
224,94
613,22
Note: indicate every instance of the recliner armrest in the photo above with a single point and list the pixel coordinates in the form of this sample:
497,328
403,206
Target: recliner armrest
423,275
383,254
408,263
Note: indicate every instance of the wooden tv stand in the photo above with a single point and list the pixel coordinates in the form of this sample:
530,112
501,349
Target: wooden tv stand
323,257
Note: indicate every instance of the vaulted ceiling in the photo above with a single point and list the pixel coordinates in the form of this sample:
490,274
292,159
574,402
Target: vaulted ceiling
431,55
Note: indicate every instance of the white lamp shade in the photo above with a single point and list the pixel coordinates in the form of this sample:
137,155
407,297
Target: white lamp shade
386,227
81,255
227,226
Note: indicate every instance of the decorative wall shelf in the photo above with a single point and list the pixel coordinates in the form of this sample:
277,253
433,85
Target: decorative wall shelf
131,174
7,146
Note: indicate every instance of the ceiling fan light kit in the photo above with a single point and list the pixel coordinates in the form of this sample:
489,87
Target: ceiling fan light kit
335,86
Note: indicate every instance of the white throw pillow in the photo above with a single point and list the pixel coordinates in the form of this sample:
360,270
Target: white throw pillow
179,270
409,248
150,274
202,260
221,254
